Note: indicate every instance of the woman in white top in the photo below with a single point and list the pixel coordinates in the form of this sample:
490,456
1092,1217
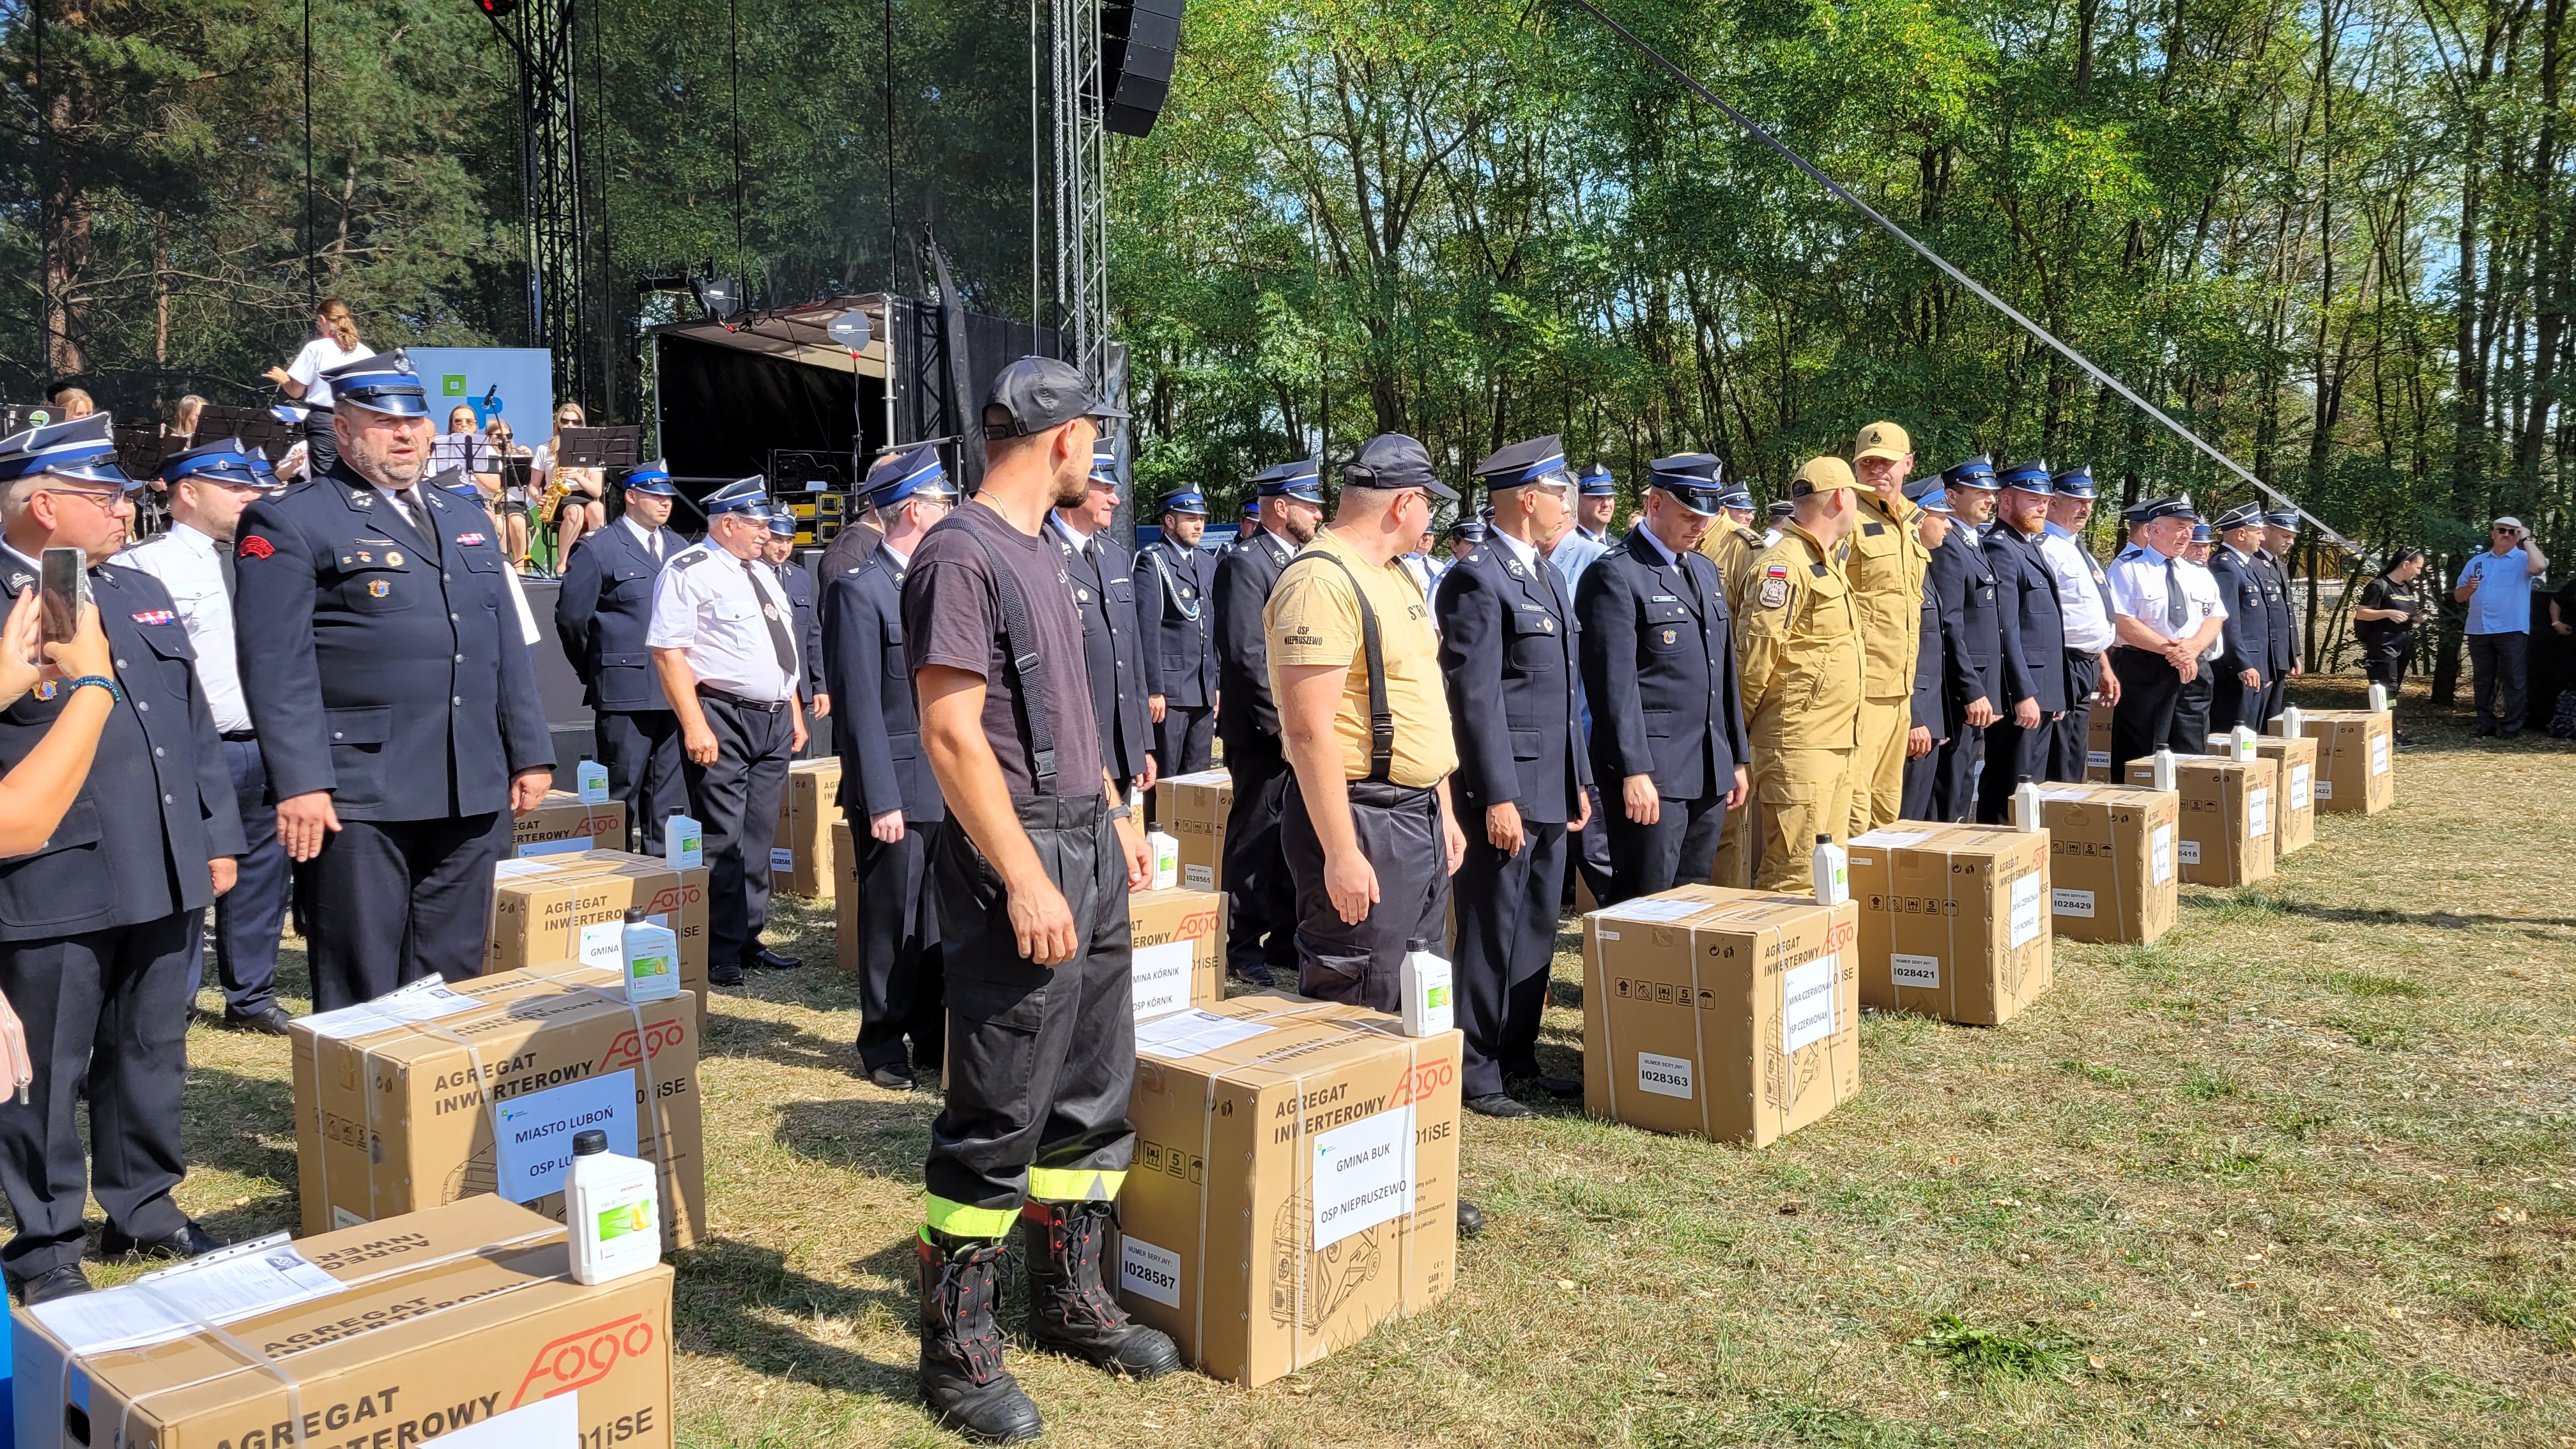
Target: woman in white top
463,446
514,496
335,341
581,492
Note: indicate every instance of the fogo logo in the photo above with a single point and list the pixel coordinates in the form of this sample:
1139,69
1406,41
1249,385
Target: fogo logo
1418,1084
670,898
659,1034
578,1360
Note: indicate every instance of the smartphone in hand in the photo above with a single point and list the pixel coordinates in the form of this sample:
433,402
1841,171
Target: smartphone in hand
64,592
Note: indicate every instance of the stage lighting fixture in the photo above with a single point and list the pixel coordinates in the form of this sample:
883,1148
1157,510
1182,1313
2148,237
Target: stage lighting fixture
850,329
1138,39
721,296
497,9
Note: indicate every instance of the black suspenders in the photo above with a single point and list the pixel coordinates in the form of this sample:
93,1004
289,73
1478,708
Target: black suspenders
1028,689
1381,718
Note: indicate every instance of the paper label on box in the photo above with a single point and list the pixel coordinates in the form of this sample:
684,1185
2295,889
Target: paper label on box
1199,877
2067,901
1148,1271
603,943
2190,852
1188,1033
1920,971
2379,754
2029,909
2160,864
569,845
1653,909
2258,812
2302,790
249,1279
2078,795
424,1000
2325,789
1199,777
1363,1175
519,869
1161,978
2097,759
546,1424
1892,839
782,861
1808,1001
537,1129
1664,1076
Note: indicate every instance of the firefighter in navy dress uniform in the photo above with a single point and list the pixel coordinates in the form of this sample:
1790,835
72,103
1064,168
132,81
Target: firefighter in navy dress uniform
780,553
1173,579
1959,568
1124,680
601,613
395,701
2242,681
1261,917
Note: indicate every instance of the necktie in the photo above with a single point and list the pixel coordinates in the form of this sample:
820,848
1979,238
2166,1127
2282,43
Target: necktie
778,640
224,567
2177,608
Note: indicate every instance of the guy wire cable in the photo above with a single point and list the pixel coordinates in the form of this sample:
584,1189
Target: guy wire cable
1963,279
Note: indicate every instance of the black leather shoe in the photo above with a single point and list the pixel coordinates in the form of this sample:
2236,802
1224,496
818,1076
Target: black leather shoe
1471,1219
1497,1104
724,978
53,1283
1255,976
962,1377
189,1242
1071,1310
272,1022
893,1079
1557,1086
761,958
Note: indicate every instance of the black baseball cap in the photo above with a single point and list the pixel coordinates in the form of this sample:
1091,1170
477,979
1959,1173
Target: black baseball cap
1393,461
1038,393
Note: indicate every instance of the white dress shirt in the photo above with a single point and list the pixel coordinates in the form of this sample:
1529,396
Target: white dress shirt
185,562
719,612
1513,549
2081,600
651,538
2138,580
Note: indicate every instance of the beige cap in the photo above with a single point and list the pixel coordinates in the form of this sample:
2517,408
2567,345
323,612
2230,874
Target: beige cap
1823,475
1882,440
2509,521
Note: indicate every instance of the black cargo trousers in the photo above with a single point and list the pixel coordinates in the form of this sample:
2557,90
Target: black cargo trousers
1040,1059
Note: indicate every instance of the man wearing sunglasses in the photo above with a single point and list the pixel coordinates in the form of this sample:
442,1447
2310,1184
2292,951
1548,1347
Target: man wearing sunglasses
98,929
2496,585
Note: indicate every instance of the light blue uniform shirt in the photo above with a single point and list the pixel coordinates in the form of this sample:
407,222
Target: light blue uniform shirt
2502,604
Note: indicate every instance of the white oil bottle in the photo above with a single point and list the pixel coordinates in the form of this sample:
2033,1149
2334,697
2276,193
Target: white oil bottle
651,955
1832,871
613,1205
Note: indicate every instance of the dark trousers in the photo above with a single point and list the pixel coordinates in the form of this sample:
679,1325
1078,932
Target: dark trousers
1922,784
2066,734
106,1016
735,801
2189,733
1040,1059
1677,849
321,445
1507,915
248,917
2013,754
2501,663
1592,851
1261,920
1954,775
1182,740
1399,832
388,902
898,946
641,752
2383,662
2150,694
2232,704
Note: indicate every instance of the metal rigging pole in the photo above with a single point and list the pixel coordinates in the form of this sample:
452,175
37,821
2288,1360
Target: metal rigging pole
560,280
1081,190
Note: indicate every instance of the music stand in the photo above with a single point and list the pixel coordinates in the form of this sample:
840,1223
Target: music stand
518,470
598,447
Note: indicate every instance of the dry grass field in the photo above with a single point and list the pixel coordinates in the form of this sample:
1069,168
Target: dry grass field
2301,1174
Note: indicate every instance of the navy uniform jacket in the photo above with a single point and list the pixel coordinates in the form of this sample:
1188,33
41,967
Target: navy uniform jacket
601,613
1971,638
798,585
1508,652
378,666
1172,596
2281,620
1929,708
1122,668
2245,586
2034,632
1659,670
869,678
158,803
1247,718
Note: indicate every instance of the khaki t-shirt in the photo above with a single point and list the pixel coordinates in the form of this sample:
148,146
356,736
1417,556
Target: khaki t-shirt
1313,619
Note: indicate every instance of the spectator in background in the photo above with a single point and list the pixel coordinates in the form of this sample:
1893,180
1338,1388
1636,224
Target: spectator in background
514,495
2384,620
182,427
69,402
335,341
578,494
464,448
2496,585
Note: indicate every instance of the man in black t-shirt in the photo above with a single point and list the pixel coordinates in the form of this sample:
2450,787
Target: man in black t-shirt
1032,882
2383,619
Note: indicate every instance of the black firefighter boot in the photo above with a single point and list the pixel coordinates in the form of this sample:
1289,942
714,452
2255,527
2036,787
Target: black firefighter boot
962,1377
1070,1309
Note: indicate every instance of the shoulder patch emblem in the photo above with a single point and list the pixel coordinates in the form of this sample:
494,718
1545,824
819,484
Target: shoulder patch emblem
687,557
1776,571
1775,591
254,546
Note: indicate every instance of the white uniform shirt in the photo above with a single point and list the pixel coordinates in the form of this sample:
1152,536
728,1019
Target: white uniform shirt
184,561
709,605
2138,588
651,538
2080,598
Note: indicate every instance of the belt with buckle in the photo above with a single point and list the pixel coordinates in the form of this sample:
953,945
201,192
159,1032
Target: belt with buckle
709,691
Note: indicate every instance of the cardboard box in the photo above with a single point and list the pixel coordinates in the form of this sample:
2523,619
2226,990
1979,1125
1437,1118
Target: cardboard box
1192,810
800,860
1726,1014
2295,764
562,906
1953,921
459,1318
1296,1180
845,896
2225,829
1179,949
401,1103
2111,861
2097,744
563,823
2354,748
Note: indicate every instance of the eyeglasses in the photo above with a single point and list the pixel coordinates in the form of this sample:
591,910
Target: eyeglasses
107,502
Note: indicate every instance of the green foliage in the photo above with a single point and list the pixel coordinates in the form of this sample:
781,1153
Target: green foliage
1989,1354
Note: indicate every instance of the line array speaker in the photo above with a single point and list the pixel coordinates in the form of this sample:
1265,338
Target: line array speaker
1138,39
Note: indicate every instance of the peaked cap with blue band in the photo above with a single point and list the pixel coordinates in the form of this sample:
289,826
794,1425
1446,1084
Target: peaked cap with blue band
783,524
384,383
1188,502
1597,483
2030,477
1978,473
1736,498
227,461
1693,481
1251,509
1301,480
896,477
2243,515
2076,482
2199,532
84,448
1535,460
2154,508
2283,518
747,496
1104,462
651,479
1936,500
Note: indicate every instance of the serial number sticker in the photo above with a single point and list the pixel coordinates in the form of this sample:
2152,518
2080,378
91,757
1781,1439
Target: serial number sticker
1664,1076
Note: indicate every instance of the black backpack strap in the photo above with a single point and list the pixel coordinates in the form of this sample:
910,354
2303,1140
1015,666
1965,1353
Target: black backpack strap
1028,688
1381,718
